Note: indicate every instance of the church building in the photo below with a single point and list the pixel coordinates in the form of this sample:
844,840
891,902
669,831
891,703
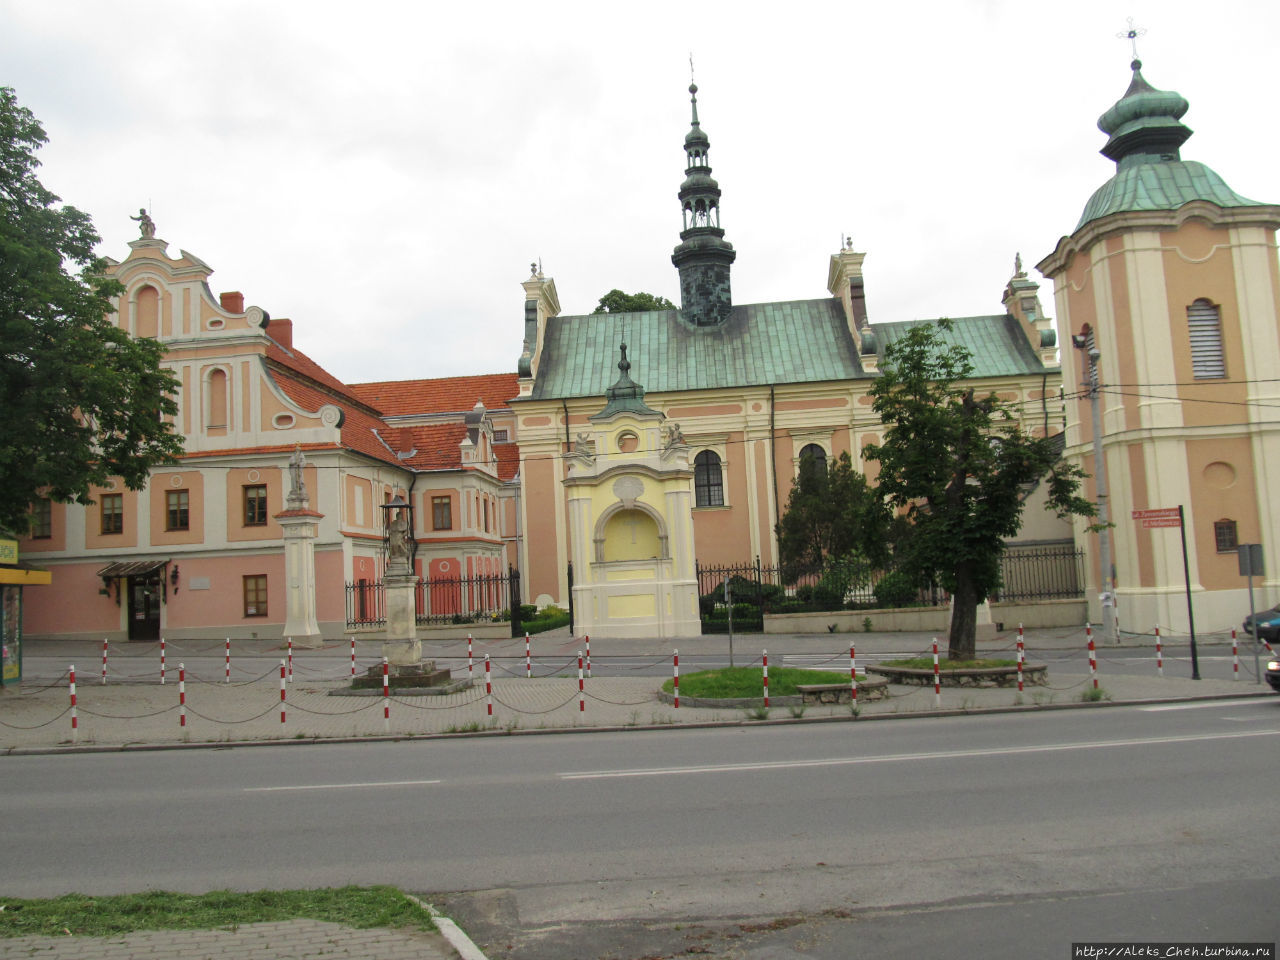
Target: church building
624,449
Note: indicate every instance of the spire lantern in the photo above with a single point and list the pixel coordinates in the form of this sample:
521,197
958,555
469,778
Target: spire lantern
1144,125
703,256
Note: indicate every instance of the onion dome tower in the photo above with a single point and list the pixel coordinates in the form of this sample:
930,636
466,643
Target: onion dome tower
703,256
1145,133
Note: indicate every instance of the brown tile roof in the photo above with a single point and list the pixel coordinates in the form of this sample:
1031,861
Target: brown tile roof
397,398
508,455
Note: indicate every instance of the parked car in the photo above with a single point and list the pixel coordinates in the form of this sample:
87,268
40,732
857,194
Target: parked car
1273,674
1268,622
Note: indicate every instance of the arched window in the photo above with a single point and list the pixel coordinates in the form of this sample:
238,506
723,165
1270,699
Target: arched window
708,480
1205,331
813,457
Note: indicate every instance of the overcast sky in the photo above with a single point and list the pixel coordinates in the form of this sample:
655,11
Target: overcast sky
384,173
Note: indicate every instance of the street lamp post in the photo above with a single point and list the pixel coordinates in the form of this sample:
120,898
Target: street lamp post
1082,342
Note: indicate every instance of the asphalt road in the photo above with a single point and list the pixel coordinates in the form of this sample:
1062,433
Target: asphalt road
738,842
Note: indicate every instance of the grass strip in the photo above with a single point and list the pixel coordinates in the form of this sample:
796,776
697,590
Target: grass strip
731,683
74,913
926,663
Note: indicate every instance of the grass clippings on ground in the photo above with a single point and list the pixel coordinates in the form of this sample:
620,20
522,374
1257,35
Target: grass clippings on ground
74,913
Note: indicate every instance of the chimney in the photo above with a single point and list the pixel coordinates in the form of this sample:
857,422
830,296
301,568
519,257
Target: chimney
232,301
281,331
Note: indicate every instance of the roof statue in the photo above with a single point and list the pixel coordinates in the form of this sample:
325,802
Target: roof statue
146,225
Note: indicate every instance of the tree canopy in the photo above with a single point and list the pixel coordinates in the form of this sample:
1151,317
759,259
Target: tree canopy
835,526
960,465
615,301
83,401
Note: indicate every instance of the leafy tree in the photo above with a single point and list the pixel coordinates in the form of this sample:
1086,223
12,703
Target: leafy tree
615,301
960,465
835,527
83,401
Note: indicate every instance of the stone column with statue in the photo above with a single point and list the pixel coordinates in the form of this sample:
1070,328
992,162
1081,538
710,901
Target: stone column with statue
299,524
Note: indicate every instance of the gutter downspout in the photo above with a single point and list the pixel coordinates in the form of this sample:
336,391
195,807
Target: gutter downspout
773,465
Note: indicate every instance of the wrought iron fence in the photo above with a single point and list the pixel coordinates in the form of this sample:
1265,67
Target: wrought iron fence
1052,572
444,600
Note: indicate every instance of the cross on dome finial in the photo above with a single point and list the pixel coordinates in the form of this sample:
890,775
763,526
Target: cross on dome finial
1132,35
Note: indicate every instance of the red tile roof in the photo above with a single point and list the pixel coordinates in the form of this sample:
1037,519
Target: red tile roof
435,447
300,363
397,398
508,455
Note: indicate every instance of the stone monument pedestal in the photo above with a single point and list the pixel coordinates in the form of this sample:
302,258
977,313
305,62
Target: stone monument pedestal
401,645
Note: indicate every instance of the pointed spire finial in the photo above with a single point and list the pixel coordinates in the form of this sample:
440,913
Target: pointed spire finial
1132,35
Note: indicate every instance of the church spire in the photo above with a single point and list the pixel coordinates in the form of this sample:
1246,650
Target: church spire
703,256
1144,125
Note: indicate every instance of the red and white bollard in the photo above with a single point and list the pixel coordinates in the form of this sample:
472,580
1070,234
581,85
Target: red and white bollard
488,685
291,659
75,721
162,661
386,696
471,664
353,658
937,677
582,700
588,642
675,677
1093,658
182,695
528,657
1020,657
1159,653
104,661
765,655
226,675
853,677
1235,656
282,691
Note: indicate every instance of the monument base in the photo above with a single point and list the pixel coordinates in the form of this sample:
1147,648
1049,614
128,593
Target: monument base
423,673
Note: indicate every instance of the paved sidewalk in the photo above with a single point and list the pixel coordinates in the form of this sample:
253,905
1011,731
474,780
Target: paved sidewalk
289,940
135,709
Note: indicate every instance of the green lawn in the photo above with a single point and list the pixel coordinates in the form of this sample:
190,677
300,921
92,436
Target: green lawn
159,910
737,682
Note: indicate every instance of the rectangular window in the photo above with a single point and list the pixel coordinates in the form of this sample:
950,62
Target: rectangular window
486,516
177,510
500,436
1224,535
42,519
255,595
255,505
112,507
441,513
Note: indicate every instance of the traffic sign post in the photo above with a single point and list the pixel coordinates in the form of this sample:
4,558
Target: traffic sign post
1250,555
1173,517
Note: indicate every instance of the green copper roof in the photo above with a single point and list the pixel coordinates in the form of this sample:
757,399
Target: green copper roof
1145,134
1160,186
997,345
625,396
801,341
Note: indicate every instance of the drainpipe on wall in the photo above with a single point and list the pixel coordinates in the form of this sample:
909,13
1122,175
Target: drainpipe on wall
773,462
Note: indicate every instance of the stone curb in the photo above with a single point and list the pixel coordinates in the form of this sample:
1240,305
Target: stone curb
458,939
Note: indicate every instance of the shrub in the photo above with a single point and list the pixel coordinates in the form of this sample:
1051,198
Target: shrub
895,589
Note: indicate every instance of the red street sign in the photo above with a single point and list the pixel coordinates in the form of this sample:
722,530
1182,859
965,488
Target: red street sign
1159,517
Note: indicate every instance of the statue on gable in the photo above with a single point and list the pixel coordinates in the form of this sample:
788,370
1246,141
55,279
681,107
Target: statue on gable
675,436
145,224
582,446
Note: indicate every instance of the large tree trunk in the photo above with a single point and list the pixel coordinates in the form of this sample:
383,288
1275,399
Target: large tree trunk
962,641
